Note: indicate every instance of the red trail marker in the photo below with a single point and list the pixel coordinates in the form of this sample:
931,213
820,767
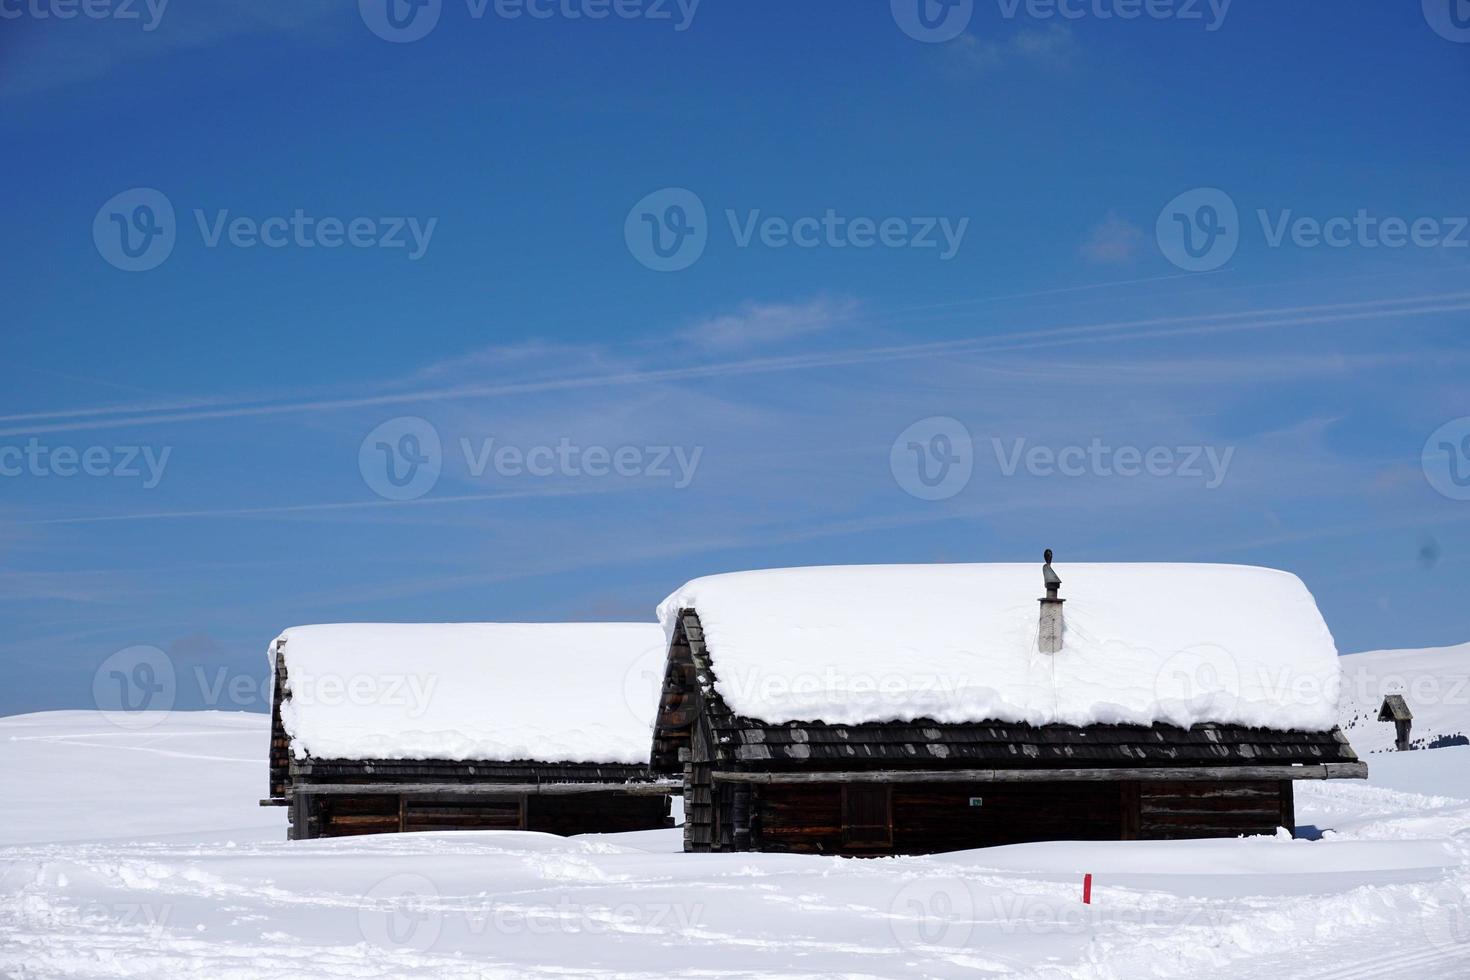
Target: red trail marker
1087,889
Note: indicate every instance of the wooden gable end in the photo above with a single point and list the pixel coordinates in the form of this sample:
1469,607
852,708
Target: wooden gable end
280,747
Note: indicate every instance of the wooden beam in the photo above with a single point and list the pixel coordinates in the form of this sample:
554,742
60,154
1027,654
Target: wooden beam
483,789
1330,770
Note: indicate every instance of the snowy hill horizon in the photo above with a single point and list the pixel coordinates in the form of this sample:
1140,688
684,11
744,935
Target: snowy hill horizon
1435,681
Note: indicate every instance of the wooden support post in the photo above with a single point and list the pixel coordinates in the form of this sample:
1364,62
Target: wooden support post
740,817
1129,798
1288,806
301,828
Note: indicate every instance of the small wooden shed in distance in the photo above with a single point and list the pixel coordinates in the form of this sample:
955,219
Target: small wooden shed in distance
921,708
379,728
1396,710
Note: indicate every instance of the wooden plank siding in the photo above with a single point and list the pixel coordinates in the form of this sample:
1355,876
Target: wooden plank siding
930,818
1169,811
590,813
813,818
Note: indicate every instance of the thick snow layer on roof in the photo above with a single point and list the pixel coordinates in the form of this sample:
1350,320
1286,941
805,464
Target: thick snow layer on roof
553,692
1143,643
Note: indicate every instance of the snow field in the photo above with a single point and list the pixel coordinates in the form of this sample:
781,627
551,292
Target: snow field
160,865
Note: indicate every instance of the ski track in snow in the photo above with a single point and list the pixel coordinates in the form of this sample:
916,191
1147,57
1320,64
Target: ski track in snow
1386,892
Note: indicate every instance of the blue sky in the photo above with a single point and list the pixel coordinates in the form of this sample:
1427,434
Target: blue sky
1286,385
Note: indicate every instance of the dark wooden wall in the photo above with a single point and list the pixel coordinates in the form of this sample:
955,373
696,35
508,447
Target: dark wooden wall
937,817
700,832
596,813
1172,811
581,813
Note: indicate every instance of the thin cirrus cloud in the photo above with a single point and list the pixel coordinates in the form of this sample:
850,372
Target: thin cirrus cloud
1110,331
41,54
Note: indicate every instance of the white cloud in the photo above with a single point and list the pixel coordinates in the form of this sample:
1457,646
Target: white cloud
969,55
1114,241
767,323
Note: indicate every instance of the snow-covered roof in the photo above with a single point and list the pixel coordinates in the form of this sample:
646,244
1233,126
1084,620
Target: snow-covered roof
552,692
1143,643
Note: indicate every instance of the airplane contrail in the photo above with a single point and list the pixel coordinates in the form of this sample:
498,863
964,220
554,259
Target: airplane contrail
1121,330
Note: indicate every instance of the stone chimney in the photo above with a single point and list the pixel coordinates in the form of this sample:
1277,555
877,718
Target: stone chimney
1049,636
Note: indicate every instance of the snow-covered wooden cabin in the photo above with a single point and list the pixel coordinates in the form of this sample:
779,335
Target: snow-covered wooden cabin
914,708
378,728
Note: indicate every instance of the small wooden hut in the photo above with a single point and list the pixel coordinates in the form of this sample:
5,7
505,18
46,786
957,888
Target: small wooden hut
378,728
914,709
